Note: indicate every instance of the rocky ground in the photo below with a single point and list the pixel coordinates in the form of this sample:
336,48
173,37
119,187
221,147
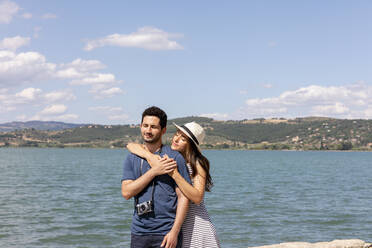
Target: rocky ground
349,243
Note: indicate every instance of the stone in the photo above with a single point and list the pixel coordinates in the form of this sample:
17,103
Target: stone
347,243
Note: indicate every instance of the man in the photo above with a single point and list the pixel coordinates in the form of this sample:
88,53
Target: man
160,207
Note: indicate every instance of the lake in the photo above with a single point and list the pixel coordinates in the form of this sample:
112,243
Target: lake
71,197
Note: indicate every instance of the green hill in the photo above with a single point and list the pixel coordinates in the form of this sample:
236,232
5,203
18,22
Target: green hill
311,133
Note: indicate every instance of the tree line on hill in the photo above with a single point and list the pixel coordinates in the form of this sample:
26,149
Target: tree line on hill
312,133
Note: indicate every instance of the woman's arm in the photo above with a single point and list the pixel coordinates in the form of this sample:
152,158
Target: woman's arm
170,240
194,193
159,165
140,150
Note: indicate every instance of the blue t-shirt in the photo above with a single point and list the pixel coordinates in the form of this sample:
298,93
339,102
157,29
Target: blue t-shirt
165,198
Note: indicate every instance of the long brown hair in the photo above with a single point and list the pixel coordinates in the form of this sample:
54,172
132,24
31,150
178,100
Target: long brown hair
192,156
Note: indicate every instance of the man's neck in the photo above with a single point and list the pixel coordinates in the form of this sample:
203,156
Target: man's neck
153,147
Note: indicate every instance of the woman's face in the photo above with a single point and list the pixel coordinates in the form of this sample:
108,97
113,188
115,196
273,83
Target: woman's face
180,142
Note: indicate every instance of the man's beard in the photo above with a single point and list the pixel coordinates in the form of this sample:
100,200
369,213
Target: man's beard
152,140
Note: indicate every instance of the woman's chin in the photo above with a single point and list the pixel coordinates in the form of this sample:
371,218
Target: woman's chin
174,147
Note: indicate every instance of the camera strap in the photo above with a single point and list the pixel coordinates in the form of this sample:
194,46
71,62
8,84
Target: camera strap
153,186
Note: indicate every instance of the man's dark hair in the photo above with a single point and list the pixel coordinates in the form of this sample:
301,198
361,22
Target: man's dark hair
155,111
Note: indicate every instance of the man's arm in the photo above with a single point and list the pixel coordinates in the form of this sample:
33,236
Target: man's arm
170,240
130,188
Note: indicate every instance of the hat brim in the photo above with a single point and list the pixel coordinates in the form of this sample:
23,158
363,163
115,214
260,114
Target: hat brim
188,135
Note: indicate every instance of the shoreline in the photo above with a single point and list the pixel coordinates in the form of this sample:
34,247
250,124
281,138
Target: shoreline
205,149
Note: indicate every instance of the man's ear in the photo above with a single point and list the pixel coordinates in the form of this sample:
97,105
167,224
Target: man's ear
164,130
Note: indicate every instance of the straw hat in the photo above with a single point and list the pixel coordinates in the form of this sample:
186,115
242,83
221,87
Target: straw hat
194,131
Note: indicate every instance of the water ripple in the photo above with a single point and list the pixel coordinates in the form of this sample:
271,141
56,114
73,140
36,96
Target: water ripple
71,197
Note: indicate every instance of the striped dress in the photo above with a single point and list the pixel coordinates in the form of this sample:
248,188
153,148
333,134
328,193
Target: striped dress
197,229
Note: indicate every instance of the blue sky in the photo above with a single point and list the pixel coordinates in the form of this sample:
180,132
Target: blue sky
106,61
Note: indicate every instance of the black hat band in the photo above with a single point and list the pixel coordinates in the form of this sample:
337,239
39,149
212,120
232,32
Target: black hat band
191,134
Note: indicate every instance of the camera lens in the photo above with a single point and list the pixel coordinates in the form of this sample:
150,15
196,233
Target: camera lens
143,207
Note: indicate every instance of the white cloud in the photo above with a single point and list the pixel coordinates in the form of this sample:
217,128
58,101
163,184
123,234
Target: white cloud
29,93
350,101
97,78
101,85
13,43
267,86
54,109
121,117
21,117
86,65
102,91
29,98
67,117
3,91
80,68
26,96
368,112
148,38
106,109
49,16
63,117
36,32
336,108
32,97
69,73
27,15
51,113
4,109
217,116
63,95
23,67
28,68
111,92
111,113
7,10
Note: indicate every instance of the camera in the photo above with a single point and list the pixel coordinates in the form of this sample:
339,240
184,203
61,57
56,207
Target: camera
144,207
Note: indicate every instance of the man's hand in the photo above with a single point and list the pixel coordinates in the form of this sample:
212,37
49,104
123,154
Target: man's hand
170,240
163,166
171,170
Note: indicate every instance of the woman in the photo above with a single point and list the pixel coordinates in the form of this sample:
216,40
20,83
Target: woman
198,230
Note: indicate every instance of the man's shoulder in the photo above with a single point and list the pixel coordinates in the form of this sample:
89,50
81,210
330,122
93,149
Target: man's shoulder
131,157
170,152
174,154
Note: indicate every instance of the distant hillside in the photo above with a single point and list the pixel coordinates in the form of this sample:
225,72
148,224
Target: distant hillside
39,125
311,133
